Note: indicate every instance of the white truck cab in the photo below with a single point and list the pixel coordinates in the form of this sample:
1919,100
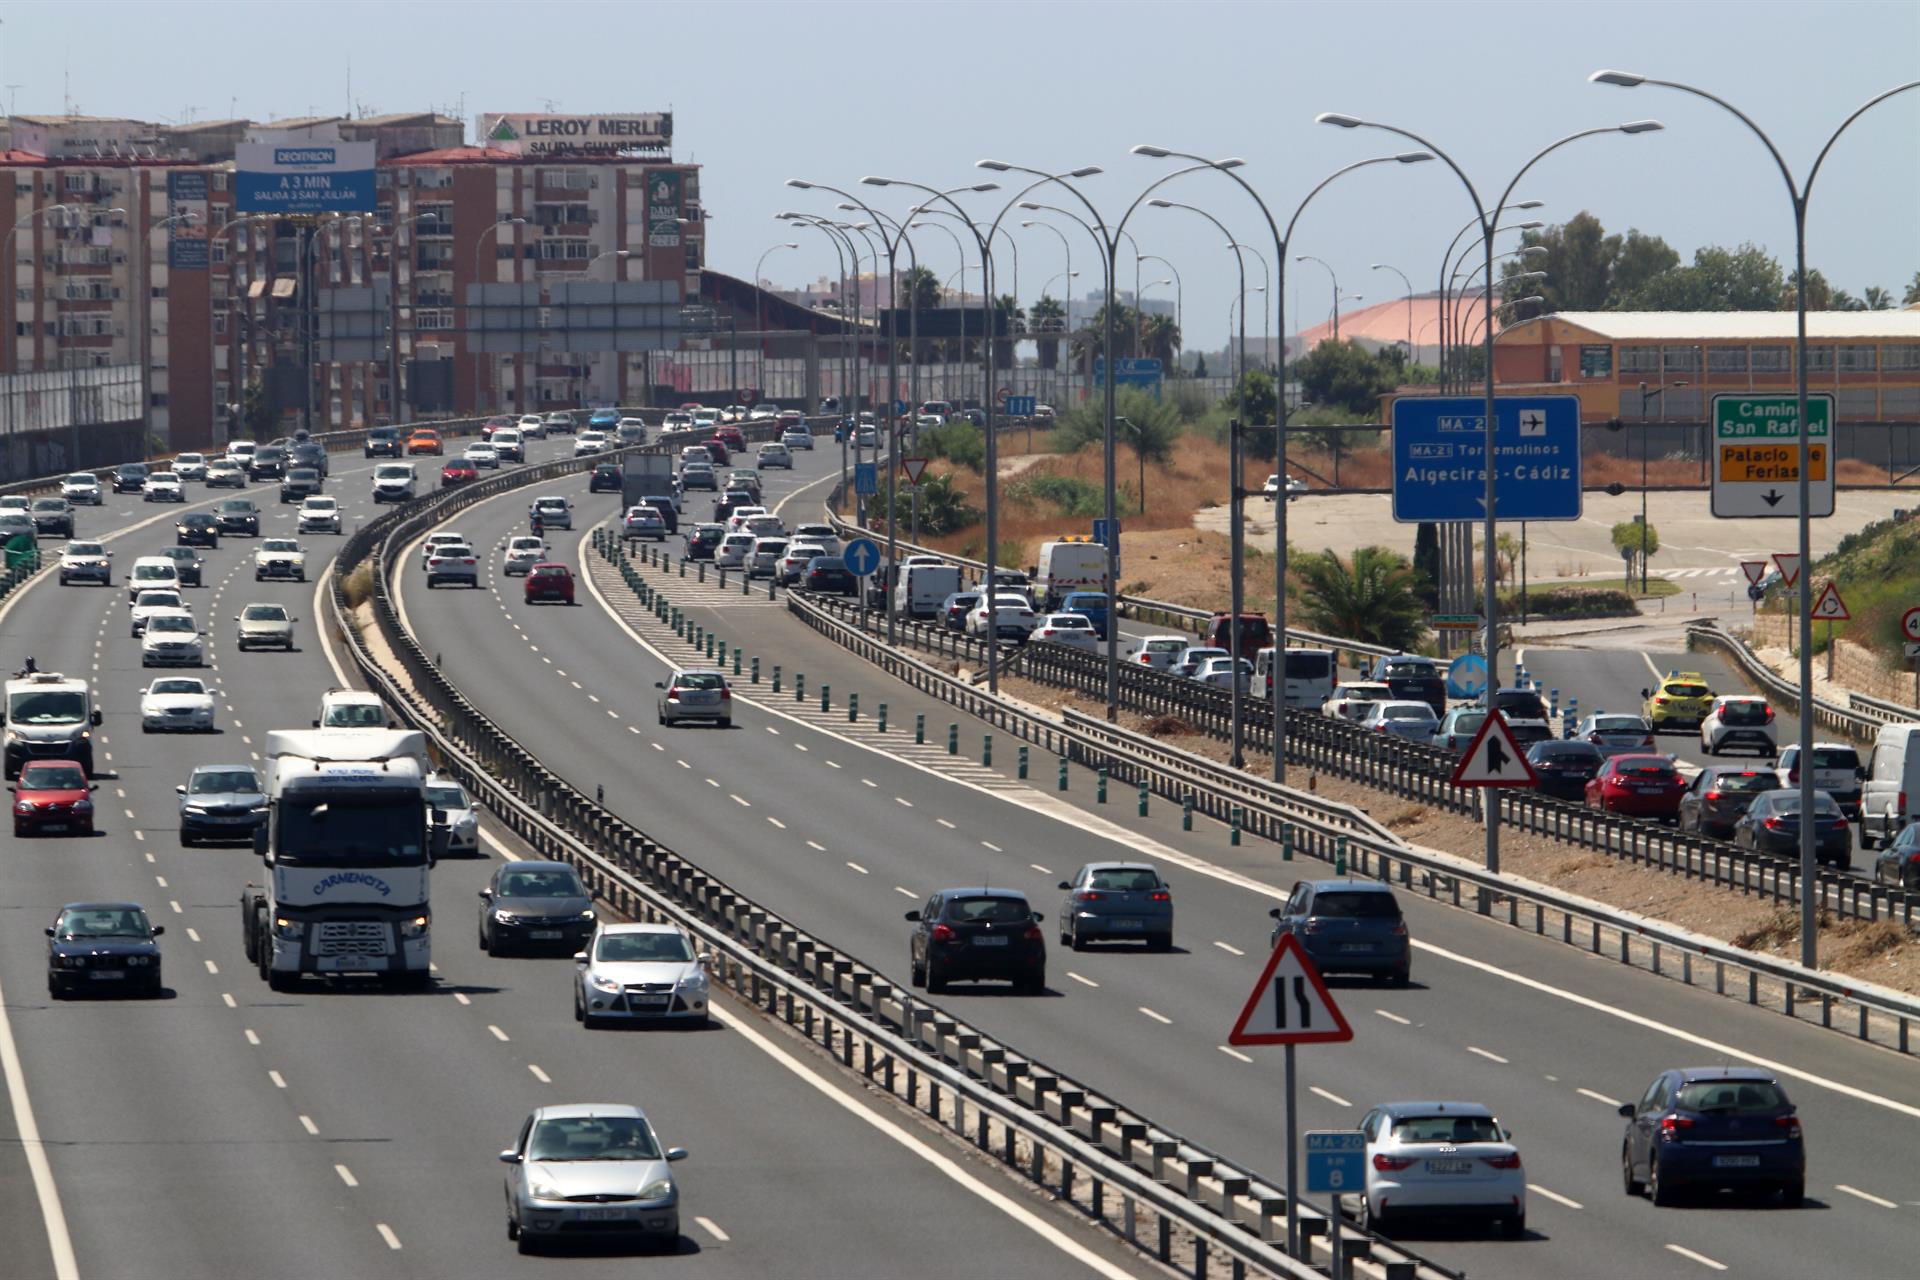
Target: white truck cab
49,717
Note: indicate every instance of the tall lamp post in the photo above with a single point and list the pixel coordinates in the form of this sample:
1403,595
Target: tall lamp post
1489,217
1179,298
1266,320
1384,266
1066,247
1307,257
480,366
760,314
1647,396
960,396
1446,265
235,373
312,301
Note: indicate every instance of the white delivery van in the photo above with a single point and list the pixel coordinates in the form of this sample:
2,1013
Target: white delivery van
923,588
1069,565
1890,795
1310,676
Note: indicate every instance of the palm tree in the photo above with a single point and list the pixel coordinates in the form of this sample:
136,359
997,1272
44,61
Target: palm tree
1159,338
1048,316
1371,598
916,289
1007,318
1913,291
1877,299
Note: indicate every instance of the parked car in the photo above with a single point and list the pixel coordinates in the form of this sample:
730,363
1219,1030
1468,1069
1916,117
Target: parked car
1700,1128
973,935
1116,900
1348,926
1564,768
1640,785
1771,824
1719,794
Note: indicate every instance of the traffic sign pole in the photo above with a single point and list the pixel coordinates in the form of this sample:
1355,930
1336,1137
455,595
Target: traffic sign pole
1293,1164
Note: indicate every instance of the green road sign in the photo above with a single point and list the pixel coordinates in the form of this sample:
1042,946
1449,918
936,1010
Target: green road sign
1756,462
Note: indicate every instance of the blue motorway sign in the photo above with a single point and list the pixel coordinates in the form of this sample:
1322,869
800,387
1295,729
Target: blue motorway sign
1021,406
1130,372
1467,676
1439,458
899,408
866,478
862,557
1336,1160
1107,533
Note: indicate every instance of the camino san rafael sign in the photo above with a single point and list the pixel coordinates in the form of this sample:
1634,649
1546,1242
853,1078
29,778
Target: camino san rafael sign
573,135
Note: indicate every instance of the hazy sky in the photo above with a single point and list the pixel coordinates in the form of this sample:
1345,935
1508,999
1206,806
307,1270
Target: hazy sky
832,91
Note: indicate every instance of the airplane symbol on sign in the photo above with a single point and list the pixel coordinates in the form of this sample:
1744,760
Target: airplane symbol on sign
1533,423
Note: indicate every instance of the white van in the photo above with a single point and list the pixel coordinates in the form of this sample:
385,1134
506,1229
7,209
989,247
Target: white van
1890,796
1310,676
393,482
1069,565
924,588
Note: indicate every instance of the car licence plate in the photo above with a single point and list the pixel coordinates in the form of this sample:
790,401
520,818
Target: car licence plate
1127,922
543,935
990,942
1351,947
605,1215
107,975
1736,1162
331,963
1450,1166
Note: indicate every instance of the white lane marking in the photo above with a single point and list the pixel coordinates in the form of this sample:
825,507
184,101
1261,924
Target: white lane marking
948,825
177,908
1600,1098
1689,1254
150,858
903,801
161,881
306,1122
799,746
713,782
1085,982
776,733
227,999
346,1175
712,1228
831,764
739,799
816,846
856,866
939,1160
1487,1054
279,1081
908,892
1228,947
386,1233
1157,1017
1334,1098
1232,1052
1394,1017
1554,1196
538,1074
869,782
498,1034
253,1037
193,934
776,822
988,844
461,996
1868,1196
52,1215
1045,871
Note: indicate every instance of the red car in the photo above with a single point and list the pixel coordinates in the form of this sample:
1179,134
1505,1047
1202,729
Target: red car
717,447
733,437
549,582
1643,786
494,424
53,795
458,471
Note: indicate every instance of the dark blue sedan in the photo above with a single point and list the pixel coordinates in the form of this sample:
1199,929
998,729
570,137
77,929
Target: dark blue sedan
102,947
1348,926
1713,1129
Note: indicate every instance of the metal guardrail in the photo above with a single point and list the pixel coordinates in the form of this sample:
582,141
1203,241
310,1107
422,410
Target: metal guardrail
1860,722
1883,1016
1177,1202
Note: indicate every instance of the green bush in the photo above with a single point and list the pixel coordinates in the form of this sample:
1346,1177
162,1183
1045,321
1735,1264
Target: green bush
1570,602
1071,495
959,441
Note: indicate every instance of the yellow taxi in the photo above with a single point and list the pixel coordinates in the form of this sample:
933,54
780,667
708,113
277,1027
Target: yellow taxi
1680,701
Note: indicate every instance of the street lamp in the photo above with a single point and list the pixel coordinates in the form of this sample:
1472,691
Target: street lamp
1067,247
480,365
760,314
1266,274
1446,265
1179,297
399,405
1798,194
310,301
1645,396
1382,266
1489,222
1307,257
234,373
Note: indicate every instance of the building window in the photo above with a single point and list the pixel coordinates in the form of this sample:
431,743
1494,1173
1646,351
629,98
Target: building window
1639,360
1726,360
693,264
1858,404
1680,359
432,178
1819,359
1553,350
1596,361
1903,356
1858,359
220,181
1772,359
570,249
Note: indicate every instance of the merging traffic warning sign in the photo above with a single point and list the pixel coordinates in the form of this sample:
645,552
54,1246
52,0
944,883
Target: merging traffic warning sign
1829,607
1494,759
1755,570
1290,1004
1788,563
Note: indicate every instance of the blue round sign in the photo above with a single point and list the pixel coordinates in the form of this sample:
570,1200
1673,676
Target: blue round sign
1467,676
862,557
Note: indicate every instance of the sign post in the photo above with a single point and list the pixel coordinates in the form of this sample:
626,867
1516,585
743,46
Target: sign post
1336,1163
1290,1006
862,557
1756,456
1830,608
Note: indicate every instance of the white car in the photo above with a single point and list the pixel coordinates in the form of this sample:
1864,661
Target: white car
453,562
523,553
1448,1160
793,564
553,512
1158,652
225,473
86,562
738,517
482,454
678,421
706,419
318,515
1271,490
532,426
190,466
444,795
764,560
280,558
1739,722
82,488
1006,617
820,533
1351,699
773,455
589,442
734,413
152,573
733,550
630,431
149,604
264,626
764,525
171,638
797,438
695,455
509,445
241,451
640,971
173,703
163,486
1069,629
1413,721
435,540
1193,657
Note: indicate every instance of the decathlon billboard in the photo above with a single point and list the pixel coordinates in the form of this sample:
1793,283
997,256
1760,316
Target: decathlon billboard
304,178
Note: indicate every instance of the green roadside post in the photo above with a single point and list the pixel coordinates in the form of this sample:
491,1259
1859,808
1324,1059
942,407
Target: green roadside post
736,659
1023,762
883,717
1143,798
1234,835
1186,812
953,739
776,677
1286,842
1340,856
853,707
826,696
919,729
1100,796
1063,773
799,686
986,750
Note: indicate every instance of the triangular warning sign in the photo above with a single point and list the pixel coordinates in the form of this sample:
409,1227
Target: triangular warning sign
1789,564
1290,1004
1494,759
1755,570
913,468
1830,607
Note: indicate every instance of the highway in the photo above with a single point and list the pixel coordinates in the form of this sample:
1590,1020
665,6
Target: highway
223,1130
813,818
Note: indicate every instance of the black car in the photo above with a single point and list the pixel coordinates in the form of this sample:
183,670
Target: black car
239,515
197,529
308,453
301,482
535,906
664,505
727,503
744,482
1898,863
383,442
605,478
130,477
1414,679
1719,794
53,517
1713,1128
102,947
975,935
1564,768
269,462
829,576
703,540
187,565
1771,824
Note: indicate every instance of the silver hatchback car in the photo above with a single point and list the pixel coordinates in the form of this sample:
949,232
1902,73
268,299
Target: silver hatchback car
590,1170
695,695
1109,900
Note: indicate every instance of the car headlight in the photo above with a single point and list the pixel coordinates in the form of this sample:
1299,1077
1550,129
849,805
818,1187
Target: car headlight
292,930
83,806
133,961
602,984
199,809
24,806
505,917
698,978
587,914
540,1189
658,1189
416,927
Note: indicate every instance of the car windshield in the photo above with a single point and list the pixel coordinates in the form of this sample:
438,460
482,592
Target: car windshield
50,504
446,796
48,706
1619,724
213,782
319,504
1405,669
1730,1097
1124,880
1685,691
360,833
1307,666
1407,713
699,680
104,922
239,507
1787,802
1163,646
549,571
526,544
985,910
1452,1130
1070,622
82,479
1649,769
264,613
592,1138
1835,758
170,624
545,883
1745,782
661,948
1564,754
392,473
50,777
279,544
1468,721
1516,704
85,549
1357,905
157,599
1745,711
349,715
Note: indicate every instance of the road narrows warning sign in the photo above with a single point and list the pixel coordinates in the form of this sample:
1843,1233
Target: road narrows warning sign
1290,1004
1494,759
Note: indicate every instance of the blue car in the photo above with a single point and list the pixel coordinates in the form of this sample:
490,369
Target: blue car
1348,926
603,420
1091,605
1713,1128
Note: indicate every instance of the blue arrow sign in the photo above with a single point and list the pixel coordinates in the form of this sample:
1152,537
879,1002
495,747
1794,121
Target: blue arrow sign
1467,676
1021,406
1336,1160
866,479
862,557
1439,458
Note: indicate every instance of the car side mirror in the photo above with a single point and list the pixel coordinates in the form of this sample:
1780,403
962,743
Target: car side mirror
1038,917
509,1157
1275,913
260,841
580,957
486,895
1065,884
316,724
1646,693
659,684
1860,774
158,930
1626,1109
181,789
93,786
94,719
914,915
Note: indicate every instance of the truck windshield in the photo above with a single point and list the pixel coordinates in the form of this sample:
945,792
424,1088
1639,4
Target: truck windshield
337,831
47,708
